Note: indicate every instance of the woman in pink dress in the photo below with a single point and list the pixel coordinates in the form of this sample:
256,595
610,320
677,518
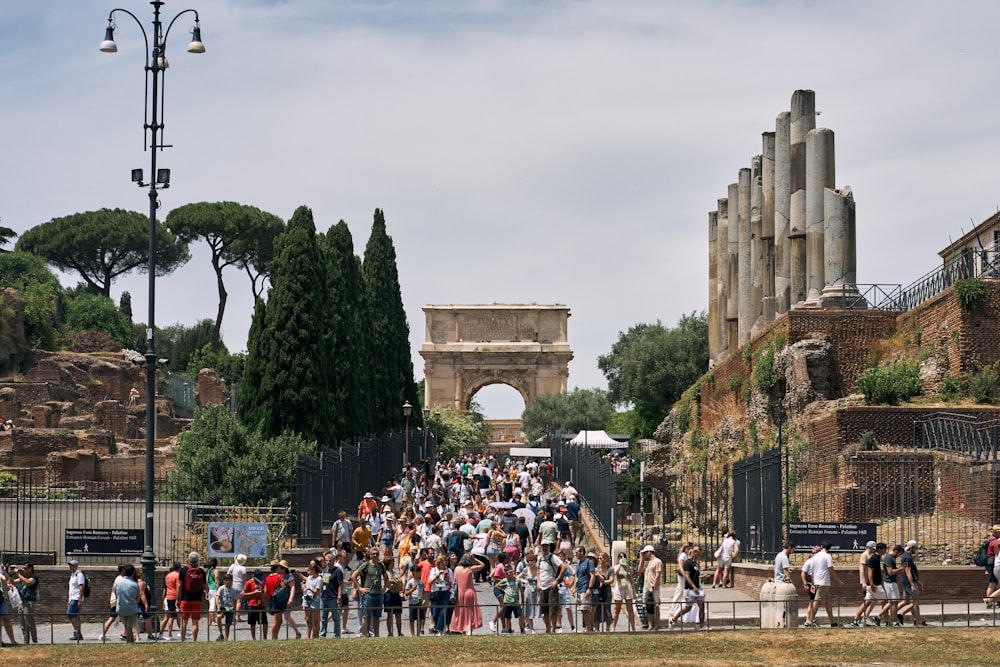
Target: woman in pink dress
467,616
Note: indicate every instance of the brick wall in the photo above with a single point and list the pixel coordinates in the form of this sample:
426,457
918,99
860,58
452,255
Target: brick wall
951,584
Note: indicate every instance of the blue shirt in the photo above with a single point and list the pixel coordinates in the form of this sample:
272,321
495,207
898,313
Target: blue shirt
573,510
583,571
127,593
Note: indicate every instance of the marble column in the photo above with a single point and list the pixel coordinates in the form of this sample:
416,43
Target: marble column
820,175
745,307
722,276
767,226
733,300
782,209
756,248
713,287
840,251
803,121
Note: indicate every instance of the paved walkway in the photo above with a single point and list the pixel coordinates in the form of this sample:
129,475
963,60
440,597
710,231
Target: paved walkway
726,609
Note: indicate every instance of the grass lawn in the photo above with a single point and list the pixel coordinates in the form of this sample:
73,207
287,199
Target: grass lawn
906,646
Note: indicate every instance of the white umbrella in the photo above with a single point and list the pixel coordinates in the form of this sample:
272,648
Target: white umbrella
529,516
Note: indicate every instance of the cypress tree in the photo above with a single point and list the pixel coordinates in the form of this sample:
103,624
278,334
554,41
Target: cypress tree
294,384
392,365
348,342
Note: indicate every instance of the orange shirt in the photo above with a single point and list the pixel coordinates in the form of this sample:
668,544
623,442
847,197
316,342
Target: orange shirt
170,585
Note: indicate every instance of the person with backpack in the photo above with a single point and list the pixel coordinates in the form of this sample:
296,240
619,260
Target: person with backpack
280,589
371,582
191,589
77,584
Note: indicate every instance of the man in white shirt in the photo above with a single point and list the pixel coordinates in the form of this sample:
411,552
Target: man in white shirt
782,566
823,574
76,584
550,572
652,572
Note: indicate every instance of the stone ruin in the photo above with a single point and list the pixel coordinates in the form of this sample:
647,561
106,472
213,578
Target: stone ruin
784,237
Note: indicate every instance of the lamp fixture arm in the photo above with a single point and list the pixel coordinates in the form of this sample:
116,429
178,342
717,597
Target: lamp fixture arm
163,42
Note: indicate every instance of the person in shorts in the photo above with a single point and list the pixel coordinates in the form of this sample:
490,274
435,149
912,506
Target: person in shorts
126,593
226,607
170,600
890,577
253,602
694,594
371,582
77,581
550,572
513,599
191,596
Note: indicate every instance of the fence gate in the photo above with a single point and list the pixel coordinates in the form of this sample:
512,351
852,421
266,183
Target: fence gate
757,500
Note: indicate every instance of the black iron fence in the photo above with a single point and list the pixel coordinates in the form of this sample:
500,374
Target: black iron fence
593,477
41,517
337,477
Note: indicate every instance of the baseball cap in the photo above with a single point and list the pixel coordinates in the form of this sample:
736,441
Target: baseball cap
74,562
872,544
648,547
911,544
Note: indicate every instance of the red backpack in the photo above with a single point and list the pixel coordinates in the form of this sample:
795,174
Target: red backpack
193,580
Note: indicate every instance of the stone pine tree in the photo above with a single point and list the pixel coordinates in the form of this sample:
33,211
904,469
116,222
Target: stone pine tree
348,343
392,365
288,373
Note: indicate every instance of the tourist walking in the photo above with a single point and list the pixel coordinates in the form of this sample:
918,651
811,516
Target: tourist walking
651,574
77,582
623,591
467,616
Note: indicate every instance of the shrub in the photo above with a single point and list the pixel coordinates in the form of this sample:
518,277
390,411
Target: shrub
763,375
888,385
951,387
971,295
983,383
735,382
92,340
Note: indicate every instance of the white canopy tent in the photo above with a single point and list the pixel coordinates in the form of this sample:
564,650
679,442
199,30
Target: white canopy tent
597,440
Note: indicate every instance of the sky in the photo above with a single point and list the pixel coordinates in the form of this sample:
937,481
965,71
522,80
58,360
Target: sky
523,151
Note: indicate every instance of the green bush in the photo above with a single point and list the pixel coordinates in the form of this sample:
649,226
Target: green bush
984,383
971,294
764,376
888,385
735,382
951,387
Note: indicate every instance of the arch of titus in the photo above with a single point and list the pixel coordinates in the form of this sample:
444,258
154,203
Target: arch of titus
467,347
784,236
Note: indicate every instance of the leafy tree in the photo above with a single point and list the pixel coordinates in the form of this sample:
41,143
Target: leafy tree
575,411
288,357
347,342
650,366
179,342
391,361
42,293
125,305
458,430
219,461
102,245
228,366
233,232
87,310
6,236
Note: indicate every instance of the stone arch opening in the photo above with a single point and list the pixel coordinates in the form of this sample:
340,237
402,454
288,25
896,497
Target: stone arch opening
468,347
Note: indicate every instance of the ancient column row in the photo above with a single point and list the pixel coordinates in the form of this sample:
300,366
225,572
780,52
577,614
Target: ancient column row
783,237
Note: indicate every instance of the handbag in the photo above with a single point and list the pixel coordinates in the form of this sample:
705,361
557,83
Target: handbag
14,598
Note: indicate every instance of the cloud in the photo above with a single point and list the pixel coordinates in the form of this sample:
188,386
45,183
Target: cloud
523,151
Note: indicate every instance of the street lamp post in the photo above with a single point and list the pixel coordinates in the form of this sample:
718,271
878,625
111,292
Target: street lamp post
407,409
437,433
427,416
156,65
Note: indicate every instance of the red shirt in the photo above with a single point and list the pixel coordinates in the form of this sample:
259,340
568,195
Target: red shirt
425,567
271,582
993,548
254,599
